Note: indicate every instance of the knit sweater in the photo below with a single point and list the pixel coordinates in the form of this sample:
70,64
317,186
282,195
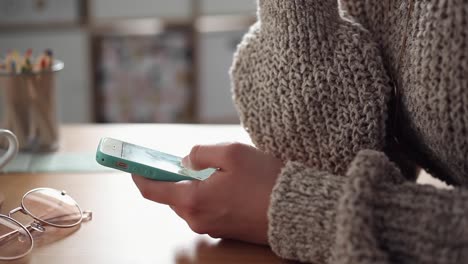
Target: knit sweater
313,85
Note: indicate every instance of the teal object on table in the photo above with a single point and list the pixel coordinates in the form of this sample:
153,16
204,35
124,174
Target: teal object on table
55,162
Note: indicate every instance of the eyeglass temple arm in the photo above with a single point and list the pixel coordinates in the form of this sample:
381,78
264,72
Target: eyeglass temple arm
9,236
87,216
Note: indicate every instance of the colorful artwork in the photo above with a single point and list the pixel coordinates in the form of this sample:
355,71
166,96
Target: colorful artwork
145,78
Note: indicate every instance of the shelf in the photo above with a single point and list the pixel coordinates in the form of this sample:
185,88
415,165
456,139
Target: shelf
53,26
124,9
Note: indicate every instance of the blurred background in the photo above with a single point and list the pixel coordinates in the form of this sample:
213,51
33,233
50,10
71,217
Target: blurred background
139,61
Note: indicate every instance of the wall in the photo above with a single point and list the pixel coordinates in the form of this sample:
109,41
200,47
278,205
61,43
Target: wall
227,6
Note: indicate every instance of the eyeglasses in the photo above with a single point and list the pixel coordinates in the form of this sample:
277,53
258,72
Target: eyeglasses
48,207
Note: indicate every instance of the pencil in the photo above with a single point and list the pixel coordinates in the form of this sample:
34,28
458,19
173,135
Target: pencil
30,103
27,67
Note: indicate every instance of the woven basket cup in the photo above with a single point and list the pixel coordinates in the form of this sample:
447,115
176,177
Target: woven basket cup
29,108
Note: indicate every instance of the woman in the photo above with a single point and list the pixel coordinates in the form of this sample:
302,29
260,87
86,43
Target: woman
330,94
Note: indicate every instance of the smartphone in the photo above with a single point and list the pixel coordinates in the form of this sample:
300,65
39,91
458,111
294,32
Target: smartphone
146,162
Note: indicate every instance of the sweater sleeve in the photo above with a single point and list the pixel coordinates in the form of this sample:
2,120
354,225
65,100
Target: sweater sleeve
309,85
302,213
382,218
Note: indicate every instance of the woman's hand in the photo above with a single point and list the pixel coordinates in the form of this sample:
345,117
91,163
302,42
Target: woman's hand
231,203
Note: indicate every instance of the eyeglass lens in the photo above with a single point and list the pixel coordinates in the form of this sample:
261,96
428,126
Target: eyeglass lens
52,207
15,240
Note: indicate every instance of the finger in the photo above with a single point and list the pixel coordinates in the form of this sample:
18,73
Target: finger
180,213
170,193
220,156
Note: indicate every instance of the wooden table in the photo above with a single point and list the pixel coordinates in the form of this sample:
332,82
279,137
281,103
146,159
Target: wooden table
125,227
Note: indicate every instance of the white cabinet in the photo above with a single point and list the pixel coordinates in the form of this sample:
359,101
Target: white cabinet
73,83
215,58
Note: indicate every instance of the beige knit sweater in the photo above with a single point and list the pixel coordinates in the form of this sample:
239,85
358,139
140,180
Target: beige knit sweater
314,89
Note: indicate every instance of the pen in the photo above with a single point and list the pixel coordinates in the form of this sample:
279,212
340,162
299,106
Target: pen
8,60
14,62
49,55
43,62
26,67
16,67
13,66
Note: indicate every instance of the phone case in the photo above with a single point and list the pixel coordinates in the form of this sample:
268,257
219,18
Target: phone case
138,168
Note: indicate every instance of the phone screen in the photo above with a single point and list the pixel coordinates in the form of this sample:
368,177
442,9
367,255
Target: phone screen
161,161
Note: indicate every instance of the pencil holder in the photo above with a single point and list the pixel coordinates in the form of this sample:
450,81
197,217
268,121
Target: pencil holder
29,108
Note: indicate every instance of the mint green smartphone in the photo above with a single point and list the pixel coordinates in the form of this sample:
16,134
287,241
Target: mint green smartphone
146,162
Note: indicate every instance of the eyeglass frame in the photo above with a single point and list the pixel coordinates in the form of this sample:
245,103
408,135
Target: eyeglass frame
38,224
